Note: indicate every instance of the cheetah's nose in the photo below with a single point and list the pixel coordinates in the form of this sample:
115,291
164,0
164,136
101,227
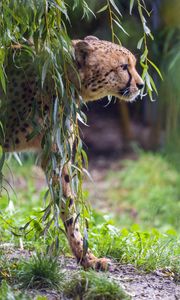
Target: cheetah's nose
139,85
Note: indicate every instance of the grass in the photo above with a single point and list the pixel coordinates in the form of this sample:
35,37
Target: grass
93,286
6,292
44,273
148,186
146,231
39,272
148,250
23,205
146,191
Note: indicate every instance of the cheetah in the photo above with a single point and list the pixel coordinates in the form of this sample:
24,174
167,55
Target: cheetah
103,68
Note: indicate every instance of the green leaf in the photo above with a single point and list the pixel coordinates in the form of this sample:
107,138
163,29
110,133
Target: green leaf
120,26
148,82
81,119
139,44
102,9
17,158
153,84
144,55
131,6
2,79
44,72
2,159
115,7
2,55
85,158
156,68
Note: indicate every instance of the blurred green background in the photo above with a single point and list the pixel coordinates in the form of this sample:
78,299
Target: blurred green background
159,120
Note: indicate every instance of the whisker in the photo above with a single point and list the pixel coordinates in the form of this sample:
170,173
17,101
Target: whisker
125,92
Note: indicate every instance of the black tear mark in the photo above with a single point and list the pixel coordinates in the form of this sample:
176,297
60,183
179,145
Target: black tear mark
123,90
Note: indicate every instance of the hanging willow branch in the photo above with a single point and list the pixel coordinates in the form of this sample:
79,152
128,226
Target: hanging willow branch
115,17
142,44
35,32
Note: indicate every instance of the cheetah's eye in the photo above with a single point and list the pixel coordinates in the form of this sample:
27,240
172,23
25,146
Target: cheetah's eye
124,67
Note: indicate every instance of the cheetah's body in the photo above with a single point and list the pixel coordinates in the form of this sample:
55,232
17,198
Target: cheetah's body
100,65
104,69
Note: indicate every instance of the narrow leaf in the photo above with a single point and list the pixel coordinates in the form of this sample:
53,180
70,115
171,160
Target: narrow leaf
44,72
120,26
156,68
102,9
131,6
2,79
139,44
115,7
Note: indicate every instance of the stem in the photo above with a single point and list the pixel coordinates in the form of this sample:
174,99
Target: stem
111,21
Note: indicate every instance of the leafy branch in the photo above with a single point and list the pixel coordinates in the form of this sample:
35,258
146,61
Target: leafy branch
37,33
145,61
115,21
43,22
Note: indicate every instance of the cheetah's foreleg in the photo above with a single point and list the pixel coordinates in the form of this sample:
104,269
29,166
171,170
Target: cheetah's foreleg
70,220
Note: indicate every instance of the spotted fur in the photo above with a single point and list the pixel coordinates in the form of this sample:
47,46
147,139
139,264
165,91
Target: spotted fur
104,69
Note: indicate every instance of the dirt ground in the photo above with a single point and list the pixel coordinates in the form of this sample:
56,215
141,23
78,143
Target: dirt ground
158,285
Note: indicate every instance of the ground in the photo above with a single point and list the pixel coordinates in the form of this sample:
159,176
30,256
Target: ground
158,285
112,196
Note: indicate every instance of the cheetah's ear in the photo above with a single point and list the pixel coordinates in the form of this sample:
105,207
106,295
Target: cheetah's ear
90,38
82,50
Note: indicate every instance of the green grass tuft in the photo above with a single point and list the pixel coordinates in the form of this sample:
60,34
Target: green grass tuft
149,250
93,286
39,272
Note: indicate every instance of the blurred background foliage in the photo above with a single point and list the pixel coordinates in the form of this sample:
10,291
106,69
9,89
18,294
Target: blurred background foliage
159,117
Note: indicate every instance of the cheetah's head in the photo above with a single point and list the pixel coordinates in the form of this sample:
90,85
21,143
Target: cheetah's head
106,69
